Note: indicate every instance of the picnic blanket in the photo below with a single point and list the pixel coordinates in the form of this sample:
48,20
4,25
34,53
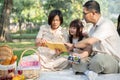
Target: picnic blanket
69,75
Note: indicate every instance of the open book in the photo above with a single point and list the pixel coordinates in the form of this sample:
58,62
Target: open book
57,45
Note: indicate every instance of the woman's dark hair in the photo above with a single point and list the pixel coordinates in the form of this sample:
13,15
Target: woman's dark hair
92,5
118,24
78,24
52,14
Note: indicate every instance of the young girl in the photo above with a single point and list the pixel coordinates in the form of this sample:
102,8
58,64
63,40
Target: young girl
77,56
75,31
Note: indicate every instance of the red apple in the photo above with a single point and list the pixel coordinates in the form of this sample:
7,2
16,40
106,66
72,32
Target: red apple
20,72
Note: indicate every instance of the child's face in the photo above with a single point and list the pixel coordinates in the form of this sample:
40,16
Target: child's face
73,31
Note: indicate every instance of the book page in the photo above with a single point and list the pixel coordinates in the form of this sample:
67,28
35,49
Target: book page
56,45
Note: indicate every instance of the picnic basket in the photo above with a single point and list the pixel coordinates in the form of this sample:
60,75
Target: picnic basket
6,67
29,65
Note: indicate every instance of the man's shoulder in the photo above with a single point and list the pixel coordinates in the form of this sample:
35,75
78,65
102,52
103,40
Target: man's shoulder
106,21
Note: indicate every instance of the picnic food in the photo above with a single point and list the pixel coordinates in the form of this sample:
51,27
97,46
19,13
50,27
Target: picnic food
18,77
13,59
7,63
6,55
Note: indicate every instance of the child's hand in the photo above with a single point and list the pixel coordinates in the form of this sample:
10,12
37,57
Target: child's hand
69,46
76,54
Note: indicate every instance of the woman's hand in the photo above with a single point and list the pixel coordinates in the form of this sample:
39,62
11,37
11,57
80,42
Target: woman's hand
40,42
58,51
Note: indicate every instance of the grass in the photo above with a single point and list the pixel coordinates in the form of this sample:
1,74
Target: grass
17,45
23,36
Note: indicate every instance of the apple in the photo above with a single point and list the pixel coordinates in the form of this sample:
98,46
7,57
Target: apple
20,72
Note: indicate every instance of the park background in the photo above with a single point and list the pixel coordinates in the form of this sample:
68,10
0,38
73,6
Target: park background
20,20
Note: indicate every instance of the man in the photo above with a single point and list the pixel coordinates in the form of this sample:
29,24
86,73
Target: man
103,38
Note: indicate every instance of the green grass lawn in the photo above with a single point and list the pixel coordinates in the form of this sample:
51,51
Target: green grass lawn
23,36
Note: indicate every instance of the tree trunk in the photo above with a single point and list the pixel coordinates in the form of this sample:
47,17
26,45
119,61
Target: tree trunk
4,20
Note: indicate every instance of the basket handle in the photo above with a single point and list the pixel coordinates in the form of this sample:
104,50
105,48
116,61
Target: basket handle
26,51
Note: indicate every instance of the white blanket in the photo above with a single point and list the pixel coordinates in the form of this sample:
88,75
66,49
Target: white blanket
69,75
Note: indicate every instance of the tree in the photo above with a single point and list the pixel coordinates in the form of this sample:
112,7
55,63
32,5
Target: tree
4,20
71,9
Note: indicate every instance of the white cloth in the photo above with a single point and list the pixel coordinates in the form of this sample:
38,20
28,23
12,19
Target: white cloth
106,32
60,35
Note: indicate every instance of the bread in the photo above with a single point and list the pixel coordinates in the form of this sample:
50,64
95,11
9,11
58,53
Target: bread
6,54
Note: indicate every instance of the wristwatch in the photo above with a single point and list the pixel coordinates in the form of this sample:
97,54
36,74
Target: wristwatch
74,46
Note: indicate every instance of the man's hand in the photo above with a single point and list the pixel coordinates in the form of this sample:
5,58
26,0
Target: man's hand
69,46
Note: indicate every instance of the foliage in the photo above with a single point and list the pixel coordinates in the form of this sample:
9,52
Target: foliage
71,8
28,11
36,11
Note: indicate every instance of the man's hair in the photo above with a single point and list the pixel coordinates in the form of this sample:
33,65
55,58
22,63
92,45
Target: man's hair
52,14
92,5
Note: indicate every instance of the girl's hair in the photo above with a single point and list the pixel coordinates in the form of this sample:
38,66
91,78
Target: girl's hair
52,14
78,24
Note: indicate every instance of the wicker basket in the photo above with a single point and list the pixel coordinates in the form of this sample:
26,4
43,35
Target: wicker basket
29,67
6,54
6,69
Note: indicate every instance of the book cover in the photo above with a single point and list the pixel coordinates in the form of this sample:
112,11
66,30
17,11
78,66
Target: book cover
56,45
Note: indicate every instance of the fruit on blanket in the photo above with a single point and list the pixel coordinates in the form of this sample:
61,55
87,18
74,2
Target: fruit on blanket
11,70
19,77
20,72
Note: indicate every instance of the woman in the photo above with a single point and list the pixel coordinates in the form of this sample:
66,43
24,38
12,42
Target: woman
51,59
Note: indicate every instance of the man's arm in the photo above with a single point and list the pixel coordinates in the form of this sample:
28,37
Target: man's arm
86,42
84,53
82,44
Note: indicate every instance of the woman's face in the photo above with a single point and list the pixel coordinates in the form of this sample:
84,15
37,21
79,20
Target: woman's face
73,31
56,22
